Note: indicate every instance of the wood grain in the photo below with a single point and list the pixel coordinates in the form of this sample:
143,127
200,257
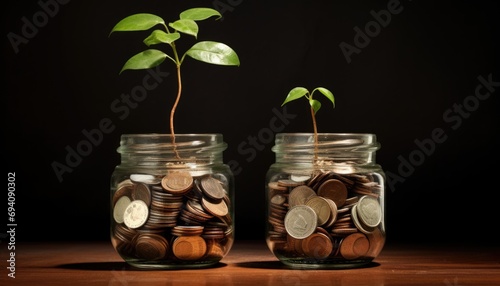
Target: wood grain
251,263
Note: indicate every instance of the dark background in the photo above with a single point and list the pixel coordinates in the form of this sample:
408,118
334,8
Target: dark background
403,85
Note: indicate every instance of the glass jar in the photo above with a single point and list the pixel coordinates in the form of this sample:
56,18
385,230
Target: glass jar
325,200
172,205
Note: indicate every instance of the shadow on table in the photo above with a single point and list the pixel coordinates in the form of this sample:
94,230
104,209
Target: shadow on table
105,266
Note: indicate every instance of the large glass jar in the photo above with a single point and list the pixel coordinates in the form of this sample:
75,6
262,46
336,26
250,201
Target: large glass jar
172,205
325,200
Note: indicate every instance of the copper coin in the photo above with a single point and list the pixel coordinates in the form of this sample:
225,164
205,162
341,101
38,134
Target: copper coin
212,188
217,209
189,247
377,241
177,182
276,186
354,246
317,245
123,188
141,192
334,190
151,246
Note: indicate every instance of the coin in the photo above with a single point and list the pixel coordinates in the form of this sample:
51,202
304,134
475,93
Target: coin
321,207
354,246
136,214
144,178
335,190
212,188
189,247
369,211
177,182
377,241
119,208
317,245
141,192
300,221
151,246
299,177
299,195
358,223
217,209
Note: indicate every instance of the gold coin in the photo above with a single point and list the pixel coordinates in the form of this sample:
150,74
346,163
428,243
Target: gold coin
177,182
321,207
189,247
299,195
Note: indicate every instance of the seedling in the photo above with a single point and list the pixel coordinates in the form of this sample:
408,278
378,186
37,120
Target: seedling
204,51
299,92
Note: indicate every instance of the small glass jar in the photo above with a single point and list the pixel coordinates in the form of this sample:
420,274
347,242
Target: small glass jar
325,200
172,205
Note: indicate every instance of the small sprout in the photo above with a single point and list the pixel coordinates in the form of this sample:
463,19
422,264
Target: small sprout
299,92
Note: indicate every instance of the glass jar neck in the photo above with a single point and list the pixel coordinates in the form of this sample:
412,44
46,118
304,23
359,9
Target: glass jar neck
160,150
329,149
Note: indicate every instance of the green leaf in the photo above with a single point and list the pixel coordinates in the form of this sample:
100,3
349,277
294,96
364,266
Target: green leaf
198,14
214,53
159,36
186,26
316,105
327,93
294,94
145,60
137,22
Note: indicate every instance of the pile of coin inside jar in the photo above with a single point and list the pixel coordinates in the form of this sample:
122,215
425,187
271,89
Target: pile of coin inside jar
172,218
325,217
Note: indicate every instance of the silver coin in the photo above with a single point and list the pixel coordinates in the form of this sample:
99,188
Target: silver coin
144,178
301,221
299,177
119,208
136,214
369,211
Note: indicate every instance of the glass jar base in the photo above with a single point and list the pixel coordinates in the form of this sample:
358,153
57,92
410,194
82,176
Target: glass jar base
173,266
326,264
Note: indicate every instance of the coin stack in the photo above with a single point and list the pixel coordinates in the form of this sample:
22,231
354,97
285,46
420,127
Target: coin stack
172,218
325,217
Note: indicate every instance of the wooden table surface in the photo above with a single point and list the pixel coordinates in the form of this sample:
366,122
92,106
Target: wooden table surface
250,263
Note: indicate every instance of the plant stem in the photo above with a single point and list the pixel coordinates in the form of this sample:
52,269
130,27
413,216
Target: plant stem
177,99
315,128
174,107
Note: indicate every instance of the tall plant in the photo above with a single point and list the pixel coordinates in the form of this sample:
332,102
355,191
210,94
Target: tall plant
205,51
